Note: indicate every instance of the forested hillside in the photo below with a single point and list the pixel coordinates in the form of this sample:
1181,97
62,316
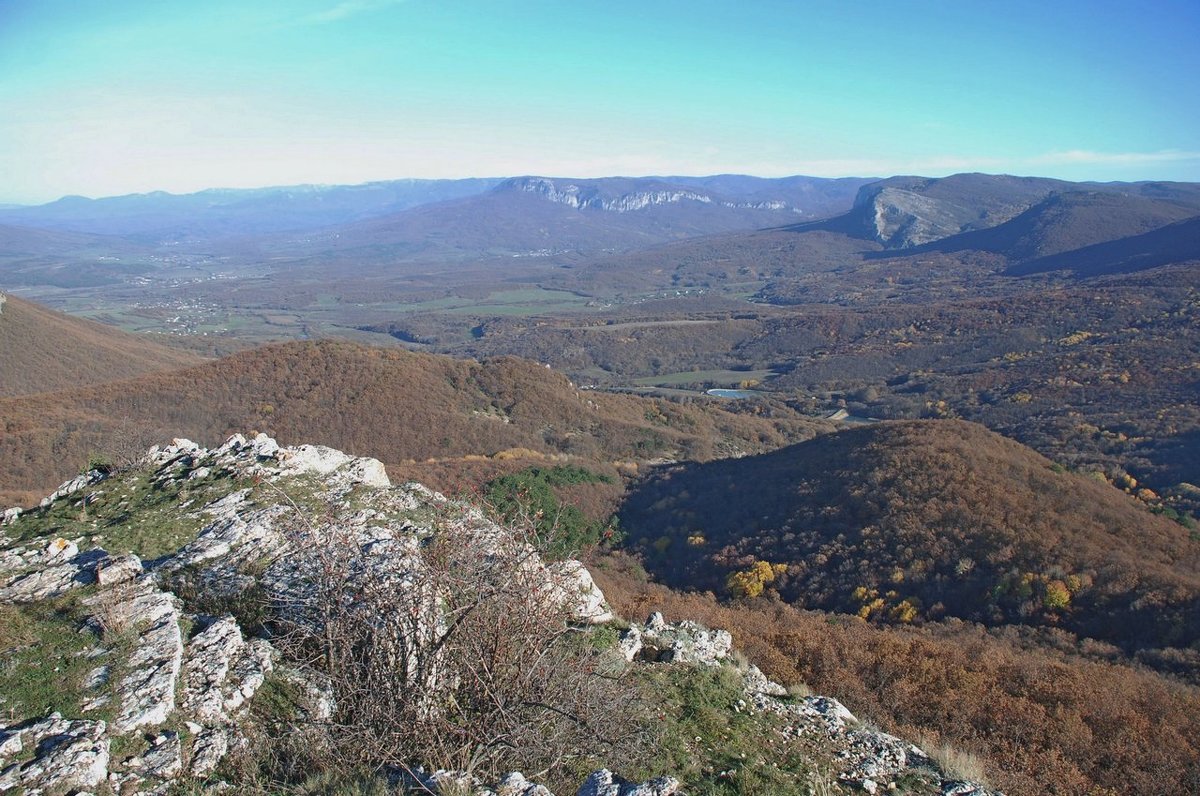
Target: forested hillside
45,350
918,521
392,404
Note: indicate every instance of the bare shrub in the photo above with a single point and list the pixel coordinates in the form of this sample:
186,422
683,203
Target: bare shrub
455,651
111,611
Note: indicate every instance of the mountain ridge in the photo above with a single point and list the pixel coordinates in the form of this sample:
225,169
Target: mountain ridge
389,403
908,212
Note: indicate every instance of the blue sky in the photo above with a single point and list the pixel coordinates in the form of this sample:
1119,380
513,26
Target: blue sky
116,96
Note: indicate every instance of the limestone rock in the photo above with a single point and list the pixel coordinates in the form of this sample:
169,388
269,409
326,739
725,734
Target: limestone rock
10,745
164,760
319,460
684,642
70,755
147,691
264,447
958,788
605,783
587,601
630,644
209,748
210,655
97,677
515,784
830,709
53,580
198,473
74,485
227,507
317,701
119,569
60,549
222,671
758,683
250,534
179,448
873,757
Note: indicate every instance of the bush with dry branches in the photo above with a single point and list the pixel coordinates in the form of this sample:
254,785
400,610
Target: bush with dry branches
456,650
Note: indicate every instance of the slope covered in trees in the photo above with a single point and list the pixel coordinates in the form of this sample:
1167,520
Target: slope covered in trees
391,404
915,521
44,350
1069,221
1040,712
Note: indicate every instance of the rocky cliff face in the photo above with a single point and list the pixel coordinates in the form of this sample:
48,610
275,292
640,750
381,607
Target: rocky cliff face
903,212
593,197
901,219
147,605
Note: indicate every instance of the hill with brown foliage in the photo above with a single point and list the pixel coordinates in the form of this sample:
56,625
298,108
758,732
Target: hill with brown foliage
44,350
1069,221
915,521
1174,243
391,404
1038,711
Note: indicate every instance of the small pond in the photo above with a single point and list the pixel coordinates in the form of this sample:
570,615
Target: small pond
734,393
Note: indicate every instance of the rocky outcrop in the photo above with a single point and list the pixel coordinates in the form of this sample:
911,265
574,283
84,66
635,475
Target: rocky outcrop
62,568
605,783
599,783
147,692
69,755
574,584
904,212
265,515
584,196
74,485
223,671
865,758
900,219
176,661
685,642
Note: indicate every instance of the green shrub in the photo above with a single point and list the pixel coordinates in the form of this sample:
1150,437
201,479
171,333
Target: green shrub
560,529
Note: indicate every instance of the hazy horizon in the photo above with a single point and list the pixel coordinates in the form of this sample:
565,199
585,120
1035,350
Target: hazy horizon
316,185
112,99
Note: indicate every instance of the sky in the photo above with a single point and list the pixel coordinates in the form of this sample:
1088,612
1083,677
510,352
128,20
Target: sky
107,97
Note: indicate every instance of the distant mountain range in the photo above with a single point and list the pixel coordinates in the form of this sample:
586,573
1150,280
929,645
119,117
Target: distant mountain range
635,233
160,216
538,216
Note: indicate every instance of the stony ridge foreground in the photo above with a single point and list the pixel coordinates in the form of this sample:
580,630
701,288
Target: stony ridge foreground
126,597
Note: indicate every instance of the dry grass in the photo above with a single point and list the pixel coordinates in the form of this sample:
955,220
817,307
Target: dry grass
955,762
